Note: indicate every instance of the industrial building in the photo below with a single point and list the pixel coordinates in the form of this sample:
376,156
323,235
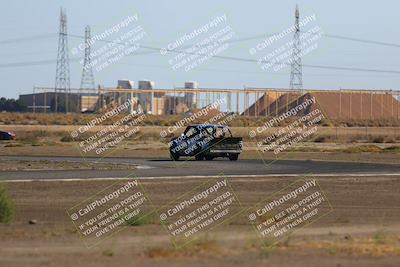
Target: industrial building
361,105
336,104
190,98
60,102
156,102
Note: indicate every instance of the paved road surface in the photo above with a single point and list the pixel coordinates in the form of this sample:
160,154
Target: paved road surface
167,168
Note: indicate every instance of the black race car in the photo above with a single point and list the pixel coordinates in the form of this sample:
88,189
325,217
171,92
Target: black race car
7,135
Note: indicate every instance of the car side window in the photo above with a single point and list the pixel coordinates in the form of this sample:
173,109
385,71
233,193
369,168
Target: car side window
219,132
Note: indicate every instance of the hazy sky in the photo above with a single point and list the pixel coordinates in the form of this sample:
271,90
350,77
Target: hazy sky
166,21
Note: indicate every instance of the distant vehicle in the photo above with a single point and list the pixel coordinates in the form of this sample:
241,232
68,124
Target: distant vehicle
206,142
7,135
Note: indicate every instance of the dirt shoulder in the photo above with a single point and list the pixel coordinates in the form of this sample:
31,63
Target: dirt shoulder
159,152
50,165
362,230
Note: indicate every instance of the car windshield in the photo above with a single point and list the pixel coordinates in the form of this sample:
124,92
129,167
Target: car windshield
217,132
190,132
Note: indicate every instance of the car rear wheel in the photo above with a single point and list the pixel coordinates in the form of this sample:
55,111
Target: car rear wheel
199,157
209,157
174,156
233,156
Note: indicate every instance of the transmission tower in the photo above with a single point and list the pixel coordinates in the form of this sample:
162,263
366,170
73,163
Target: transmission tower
62,71
296,76
87,81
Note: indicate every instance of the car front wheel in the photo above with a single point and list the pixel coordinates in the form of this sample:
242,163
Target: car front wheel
233,156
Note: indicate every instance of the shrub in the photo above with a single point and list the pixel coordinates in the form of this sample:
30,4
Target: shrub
321,139
67,138
364,148
393,149
7,208
378,139
139,221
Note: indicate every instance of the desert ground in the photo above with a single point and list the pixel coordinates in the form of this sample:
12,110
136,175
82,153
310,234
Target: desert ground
362,230
45,176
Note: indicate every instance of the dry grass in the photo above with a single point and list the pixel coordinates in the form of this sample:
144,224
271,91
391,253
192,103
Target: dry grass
8,118
39,128
197,248
34,133
378,245
19,165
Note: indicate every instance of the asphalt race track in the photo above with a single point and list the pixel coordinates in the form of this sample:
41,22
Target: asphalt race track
167,168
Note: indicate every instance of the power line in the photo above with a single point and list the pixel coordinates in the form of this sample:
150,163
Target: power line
30,38
360,40
34,63
250,72
46,62
253,37
256,61
157,49
28,63
333,36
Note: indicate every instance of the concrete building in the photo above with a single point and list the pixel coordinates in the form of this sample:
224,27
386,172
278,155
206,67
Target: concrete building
125,84
88,102
175,105
190,98
146,99
159,103
123,98
60,102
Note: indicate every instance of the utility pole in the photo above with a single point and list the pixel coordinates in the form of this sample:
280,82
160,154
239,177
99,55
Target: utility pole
296,75
87,81
62,83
